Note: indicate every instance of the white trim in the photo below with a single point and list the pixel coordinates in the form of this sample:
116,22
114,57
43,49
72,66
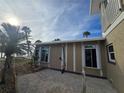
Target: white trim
40,54
74,57
62,58
83,55
73,41
66,55
99,65
117,21
91,1
120,6
98,56
111,60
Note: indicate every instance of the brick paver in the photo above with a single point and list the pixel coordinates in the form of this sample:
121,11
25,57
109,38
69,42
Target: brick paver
50,81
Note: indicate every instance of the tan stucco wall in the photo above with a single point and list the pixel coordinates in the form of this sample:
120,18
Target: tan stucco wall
70,57
116,72
122,2
103,58
92,71
55,53
78,57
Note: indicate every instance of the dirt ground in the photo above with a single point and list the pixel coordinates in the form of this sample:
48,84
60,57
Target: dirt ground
22,66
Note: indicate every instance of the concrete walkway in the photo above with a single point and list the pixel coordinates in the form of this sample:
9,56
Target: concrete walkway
50,81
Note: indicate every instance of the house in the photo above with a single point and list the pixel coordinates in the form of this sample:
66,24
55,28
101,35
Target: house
102,57
112,20
76,54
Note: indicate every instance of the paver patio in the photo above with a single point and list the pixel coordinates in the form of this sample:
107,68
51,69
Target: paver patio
51,81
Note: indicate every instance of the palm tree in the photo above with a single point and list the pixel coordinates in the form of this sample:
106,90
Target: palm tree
38,41
12,45
86,34
27,34
57,39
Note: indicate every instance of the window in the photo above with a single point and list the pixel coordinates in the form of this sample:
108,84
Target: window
36,54
44,54
106,2
111,53
90,56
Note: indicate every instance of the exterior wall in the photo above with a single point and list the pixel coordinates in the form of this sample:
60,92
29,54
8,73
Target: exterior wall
70,57
94,71
110,13
55,53
122,2
103,58
76,66
78,58
115,72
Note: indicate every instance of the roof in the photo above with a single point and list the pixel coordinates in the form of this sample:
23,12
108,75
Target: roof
95,6
72,41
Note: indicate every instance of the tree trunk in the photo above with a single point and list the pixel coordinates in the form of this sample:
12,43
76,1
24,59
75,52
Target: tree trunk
8,75
28,49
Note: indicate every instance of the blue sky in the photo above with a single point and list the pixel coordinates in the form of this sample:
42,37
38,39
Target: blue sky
50,19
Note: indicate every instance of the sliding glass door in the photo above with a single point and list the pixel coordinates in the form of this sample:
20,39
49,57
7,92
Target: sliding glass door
90,57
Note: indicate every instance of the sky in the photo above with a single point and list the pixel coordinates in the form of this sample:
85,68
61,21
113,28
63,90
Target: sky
51,19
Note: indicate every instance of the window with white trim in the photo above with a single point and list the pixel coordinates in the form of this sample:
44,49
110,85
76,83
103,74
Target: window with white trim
90,56
44,54
111,53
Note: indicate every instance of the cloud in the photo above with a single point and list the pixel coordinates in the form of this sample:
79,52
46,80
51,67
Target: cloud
50,19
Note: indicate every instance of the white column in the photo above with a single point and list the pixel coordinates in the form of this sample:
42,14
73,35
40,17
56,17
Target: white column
66,56
83,54
62,58
74,58
119,3
98,56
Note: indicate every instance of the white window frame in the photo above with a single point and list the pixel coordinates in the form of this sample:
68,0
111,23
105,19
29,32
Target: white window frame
109,53
97,59
48,55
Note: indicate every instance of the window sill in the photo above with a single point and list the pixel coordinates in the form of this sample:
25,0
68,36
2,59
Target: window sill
111,62
93,68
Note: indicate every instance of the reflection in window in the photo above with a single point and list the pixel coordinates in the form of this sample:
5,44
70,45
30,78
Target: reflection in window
44,54
111,53
90,56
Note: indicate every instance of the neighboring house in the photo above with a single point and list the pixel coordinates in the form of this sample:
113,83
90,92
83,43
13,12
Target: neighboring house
112,18
77,54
